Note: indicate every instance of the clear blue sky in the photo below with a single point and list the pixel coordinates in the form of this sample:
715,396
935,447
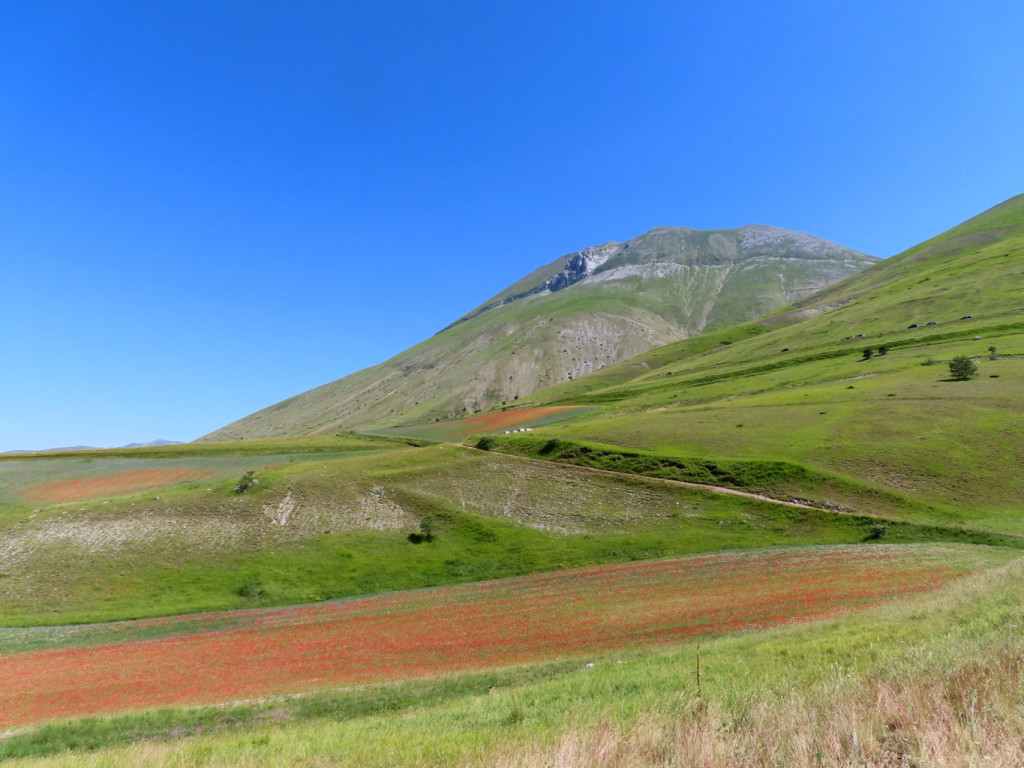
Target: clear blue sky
206,207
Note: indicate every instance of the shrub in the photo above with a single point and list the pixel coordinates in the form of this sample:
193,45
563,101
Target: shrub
550,446
486,443
884,349
252,591
247,481
962,368
878,531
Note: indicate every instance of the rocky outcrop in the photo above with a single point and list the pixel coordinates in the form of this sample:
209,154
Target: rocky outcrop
579,266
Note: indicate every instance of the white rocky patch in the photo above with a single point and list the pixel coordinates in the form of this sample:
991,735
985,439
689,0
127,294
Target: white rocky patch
279,513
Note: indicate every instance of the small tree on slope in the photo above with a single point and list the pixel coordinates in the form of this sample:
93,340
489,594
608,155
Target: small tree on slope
962,368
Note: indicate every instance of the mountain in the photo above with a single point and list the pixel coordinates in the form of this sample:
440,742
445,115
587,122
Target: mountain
975,268
152,443
580,313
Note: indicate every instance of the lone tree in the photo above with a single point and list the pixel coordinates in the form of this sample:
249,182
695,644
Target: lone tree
992,353
868,352
962,368
883,349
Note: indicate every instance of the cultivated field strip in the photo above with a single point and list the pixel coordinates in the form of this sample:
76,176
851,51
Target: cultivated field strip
220,657
499,421
52,481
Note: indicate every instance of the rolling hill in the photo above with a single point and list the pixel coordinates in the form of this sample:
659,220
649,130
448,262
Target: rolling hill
578,314
799,387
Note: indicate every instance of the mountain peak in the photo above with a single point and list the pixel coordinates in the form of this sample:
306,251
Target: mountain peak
583,311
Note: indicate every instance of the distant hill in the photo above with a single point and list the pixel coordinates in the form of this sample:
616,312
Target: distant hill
93,448
54,450
580,313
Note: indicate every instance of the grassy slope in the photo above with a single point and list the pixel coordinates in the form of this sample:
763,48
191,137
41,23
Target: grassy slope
348,527
476,364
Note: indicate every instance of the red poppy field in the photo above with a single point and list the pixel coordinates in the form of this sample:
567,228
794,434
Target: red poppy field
217,657
488,422
114,484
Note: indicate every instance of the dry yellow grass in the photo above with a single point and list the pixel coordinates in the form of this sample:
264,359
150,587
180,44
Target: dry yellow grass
970,717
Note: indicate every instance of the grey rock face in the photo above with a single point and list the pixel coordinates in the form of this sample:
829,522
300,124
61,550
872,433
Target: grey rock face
579,266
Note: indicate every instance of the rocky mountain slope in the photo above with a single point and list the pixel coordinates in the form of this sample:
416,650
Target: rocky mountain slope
582,312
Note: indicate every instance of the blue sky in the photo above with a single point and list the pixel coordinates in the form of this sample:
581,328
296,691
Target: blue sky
207,207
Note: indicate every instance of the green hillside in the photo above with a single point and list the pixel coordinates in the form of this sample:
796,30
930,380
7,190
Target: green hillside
796,387
579,314
322,526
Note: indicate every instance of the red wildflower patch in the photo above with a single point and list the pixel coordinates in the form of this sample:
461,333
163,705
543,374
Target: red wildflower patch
511,419
116,484
488,422
428,632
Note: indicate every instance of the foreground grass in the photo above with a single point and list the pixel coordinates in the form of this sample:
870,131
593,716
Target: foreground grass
933,680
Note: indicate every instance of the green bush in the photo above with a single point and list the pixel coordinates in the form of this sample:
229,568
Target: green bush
247,481
252,591
550,446
878,531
